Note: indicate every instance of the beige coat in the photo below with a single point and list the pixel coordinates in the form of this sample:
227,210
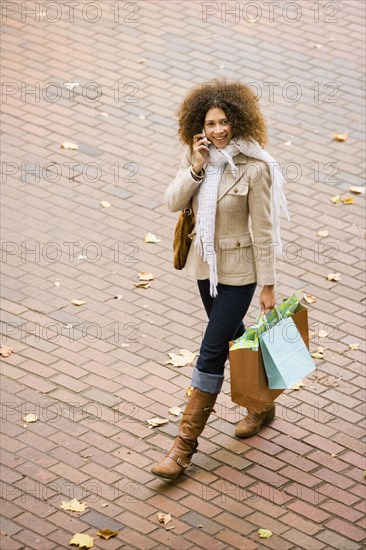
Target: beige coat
243,230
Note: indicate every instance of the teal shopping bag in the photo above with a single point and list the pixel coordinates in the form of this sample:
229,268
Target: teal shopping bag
285,356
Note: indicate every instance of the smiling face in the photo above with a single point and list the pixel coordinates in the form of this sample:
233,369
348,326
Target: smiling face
217,127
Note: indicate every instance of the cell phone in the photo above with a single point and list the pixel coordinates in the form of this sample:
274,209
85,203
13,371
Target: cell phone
204,133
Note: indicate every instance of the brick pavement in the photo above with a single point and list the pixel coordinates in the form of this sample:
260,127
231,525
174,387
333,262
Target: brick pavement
94,374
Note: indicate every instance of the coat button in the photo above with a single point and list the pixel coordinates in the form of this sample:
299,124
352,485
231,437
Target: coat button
238,243
235,190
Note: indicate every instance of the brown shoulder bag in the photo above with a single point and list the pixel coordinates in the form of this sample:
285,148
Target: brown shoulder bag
182,236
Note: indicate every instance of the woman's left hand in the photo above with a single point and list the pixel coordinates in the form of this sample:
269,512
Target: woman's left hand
267,298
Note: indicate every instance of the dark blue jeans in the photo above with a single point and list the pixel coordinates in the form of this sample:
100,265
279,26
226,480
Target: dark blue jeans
225,313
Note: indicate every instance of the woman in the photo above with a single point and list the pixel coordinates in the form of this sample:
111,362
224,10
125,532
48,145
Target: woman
227,175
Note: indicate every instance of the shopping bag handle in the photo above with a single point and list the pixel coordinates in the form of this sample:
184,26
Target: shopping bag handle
264,317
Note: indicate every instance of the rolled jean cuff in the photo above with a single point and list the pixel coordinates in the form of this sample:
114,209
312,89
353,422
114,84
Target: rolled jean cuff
209,383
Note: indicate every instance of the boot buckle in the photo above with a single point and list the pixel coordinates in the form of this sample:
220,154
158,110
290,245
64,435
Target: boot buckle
180,460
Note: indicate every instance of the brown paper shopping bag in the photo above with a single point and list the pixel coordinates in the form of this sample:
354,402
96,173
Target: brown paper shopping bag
248,380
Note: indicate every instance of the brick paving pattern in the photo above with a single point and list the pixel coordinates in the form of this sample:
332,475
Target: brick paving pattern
94,374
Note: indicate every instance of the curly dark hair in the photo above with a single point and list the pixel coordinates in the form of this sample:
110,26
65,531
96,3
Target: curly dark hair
239,103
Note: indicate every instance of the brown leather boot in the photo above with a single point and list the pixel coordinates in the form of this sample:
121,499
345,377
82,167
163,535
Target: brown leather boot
253,422
195,416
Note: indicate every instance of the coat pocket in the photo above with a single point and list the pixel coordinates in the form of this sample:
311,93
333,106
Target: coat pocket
235,199
235,255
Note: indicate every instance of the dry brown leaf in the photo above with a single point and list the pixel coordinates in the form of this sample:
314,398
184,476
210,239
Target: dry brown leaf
175,411
73,505
348,200
5,351
78,302
164,518
309,298
341,137
142,285
30,418
264,533
354,346
82,541
69,145
357,190
145,276
334,277
189,391
322,233
157,421
297,386
151,238
105,204
336,199
107,533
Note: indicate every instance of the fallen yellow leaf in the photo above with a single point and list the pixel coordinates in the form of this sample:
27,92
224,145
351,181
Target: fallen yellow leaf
341,137
354,346
348,200
151,238
189,391
357,190
157,421
78,302
107,533
176,360
336,199
105,204
30,418
69,145
175,411
185,358
73,505
82,541
5,351
334,277
309,298
164,518
264,533
297,386
189,355
317,354
322,233
142,285
145,276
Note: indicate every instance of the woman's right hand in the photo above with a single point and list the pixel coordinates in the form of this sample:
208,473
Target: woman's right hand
200,152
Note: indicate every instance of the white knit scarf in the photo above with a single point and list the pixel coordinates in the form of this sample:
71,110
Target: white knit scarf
207,199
